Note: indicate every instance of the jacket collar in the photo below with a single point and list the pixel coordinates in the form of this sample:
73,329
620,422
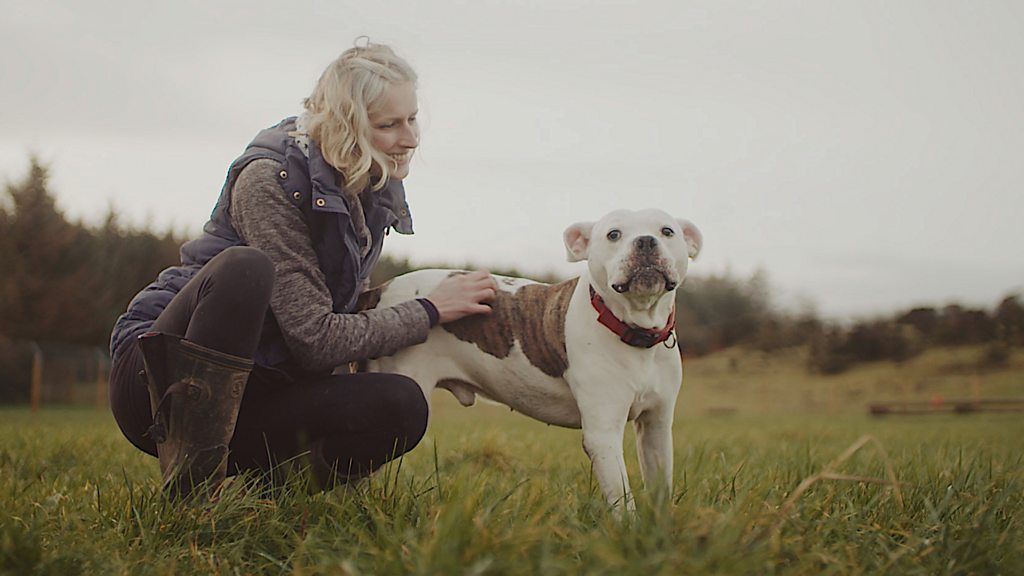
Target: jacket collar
391,196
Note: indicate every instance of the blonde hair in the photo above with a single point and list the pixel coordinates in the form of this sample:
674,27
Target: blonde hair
339,110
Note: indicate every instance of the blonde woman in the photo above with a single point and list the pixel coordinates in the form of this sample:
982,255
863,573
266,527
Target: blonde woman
225,363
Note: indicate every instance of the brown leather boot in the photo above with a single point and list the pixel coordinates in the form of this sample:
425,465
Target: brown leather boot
195,393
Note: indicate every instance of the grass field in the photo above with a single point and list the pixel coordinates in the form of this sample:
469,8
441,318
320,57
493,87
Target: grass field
797,479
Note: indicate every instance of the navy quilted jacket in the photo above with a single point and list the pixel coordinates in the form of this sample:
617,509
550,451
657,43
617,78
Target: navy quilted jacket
310,185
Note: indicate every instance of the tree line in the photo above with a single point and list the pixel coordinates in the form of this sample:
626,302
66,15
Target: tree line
719,312
66,281
63,281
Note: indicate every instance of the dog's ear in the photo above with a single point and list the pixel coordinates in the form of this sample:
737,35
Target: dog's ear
577,241
694,239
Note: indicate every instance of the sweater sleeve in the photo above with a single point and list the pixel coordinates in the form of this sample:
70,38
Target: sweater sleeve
318,338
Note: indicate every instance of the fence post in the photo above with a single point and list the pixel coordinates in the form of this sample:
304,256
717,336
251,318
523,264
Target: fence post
37,376
101,379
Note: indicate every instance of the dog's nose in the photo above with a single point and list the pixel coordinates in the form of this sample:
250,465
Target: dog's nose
646,243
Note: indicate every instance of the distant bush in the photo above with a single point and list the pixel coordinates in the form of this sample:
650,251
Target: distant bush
835,350
995,355
827,354
718,311
1009,319
952,325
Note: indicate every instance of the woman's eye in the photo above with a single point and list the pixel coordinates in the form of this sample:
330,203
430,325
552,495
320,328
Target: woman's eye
614,235
668,232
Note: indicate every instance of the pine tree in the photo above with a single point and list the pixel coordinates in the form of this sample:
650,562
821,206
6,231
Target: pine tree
43,277
123,261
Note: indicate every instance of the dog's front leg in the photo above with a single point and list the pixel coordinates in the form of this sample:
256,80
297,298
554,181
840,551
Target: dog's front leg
654,449
605,451
603,425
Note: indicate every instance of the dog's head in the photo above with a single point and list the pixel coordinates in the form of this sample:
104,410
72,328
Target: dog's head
639,255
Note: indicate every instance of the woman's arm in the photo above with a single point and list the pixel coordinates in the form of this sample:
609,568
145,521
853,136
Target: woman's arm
317,337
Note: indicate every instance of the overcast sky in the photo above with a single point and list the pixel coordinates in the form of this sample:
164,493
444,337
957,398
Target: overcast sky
868,156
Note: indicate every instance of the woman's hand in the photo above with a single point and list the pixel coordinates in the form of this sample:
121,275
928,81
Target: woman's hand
461,295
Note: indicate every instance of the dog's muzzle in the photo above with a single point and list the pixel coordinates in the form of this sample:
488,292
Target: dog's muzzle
646,280
646,270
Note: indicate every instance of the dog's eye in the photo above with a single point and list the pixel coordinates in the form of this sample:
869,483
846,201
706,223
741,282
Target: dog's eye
668,232
614,235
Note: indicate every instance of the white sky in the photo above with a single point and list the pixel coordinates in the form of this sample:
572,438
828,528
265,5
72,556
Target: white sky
867,155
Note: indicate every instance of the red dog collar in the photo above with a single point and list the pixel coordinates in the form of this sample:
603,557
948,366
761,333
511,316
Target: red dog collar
639,337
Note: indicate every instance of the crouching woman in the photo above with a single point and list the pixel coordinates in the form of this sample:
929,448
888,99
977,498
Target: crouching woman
226,362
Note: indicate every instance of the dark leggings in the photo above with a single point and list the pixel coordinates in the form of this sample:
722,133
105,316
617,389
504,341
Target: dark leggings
357,422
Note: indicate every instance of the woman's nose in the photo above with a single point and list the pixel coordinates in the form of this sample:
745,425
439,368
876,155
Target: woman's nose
410,137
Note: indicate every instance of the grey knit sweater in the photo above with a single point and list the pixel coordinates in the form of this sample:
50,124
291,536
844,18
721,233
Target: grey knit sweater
318,338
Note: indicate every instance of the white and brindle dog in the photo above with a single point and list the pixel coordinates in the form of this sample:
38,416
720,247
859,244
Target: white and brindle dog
591,352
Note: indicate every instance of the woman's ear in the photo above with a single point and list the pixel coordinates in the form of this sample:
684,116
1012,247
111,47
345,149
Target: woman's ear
577,241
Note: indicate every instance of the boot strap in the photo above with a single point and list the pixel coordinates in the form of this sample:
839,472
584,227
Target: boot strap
158,431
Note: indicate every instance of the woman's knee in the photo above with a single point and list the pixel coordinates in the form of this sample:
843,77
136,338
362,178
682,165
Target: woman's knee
408,409
396,421
244,269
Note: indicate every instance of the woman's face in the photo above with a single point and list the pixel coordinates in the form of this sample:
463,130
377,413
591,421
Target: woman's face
394,131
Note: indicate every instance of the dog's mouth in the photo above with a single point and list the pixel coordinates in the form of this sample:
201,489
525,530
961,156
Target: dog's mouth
647,280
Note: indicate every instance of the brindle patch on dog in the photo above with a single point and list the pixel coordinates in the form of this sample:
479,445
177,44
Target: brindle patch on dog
533,315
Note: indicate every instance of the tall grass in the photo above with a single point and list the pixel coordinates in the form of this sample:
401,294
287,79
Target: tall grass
489,492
